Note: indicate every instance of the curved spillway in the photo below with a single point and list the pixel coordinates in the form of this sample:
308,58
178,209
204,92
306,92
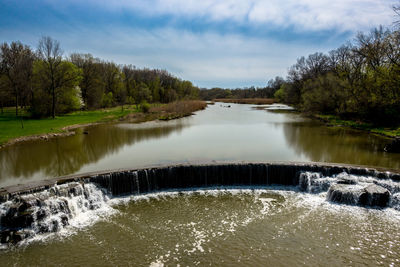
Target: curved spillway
49,205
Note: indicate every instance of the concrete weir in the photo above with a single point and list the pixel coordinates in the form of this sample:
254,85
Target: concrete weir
49,205
183,176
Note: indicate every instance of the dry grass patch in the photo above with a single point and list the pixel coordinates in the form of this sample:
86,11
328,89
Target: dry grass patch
178,109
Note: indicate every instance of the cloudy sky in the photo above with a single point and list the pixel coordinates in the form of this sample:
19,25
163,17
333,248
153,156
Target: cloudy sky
225,43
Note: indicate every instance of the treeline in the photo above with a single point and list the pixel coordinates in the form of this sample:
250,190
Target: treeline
360,80
273,85
48,84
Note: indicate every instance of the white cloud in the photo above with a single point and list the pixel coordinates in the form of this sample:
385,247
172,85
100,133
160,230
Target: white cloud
208,59
303,15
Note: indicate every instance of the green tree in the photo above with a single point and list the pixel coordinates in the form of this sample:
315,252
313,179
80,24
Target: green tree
142,94
56,73
91,84
58,93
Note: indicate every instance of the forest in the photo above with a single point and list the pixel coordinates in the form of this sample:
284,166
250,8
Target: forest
358,81
47,83
268,91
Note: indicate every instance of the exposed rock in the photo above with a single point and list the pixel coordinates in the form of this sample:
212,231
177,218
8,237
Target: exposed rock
19,215
372,195
346,180
394,146
395,201
344,193
375,195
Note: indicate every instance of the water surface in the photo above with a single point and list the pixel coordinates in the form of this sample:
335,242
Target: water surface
217,133
241,227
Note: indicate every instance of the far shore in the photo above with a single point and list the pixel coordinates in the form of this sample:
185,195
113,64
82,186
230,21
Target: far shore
254,101
15,130
329,120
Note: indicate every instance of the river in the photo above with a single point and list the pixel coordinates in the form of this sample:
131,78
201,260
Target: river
245,226
240,132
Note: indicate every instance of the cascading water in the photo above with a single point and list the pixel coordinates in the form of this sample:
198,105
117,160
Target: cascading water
51,210
352,189
26,216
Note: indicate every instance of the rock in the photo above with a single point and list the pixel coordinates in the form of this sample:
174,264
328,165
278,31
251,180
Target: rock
20,215
394,146
343,180
375,195
40,214
372,195
395,201
345,193
64,220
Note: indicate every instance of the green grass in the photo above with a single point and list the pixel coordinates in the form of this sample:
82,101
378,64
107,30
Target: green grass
11,126
336,121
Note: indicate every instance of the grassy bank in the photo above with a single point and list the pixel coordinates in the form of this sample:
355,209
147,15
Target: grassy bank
336,121
254,101
11,129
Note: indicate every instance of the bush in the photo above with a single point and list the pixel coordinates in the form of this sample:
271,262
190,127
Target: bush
145,107
107,100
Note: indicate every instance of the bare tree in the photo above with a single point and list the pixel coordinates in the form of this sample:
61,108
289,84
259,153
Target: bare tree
396,9
50,52
16,62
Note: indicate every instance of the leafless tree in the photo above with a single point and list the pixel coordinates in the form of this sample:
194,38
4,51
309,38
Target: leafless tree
396,9
50,52
16,62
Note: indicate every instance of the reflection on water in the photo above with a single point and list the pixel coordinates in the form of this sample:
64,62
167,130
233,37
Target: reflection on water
62,156
335,144
217,133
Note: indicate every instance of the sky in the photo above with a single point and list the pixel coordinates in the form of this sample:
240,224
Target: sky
213,43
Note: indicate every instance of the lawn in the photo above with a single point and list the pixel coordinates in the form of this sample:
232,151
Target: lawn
11,126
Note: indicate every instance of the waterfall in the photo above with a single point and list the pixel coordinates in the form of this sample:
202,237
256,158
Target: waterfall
48,211
48,208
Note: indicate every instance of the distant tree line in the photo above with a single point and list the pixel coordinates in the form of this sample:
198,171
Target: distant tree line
47,83
359,80
268,91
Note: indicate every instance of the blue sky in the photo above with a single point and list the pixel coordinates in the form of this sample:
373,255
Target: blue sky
231,43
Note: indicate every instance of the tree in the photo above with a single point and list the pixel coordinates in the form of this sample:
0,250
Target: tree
58,92
142,94
16,65
396,9
50,53
91,84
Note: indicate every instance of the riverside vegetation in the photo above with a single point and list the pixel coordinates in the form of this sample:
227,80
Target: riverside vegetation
15,129
356,85
49,84
81,89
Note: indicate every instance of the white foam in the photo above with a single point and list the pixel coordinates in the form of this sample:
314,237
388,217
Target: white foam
96,206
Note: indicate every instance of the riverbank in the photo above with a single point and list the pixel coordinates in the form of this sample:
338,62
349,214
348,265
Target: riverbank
15,130
253,101
332,120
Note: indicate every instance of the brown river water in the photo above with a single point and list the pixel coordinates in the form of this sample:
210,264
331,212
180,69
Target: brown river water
261,226
217,133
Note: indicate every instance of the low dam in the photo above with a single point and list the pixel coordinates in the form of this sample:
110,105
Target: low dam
48,206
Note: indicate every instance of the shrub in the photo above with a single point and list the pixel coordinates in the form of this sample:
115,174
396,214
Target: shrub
145,107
